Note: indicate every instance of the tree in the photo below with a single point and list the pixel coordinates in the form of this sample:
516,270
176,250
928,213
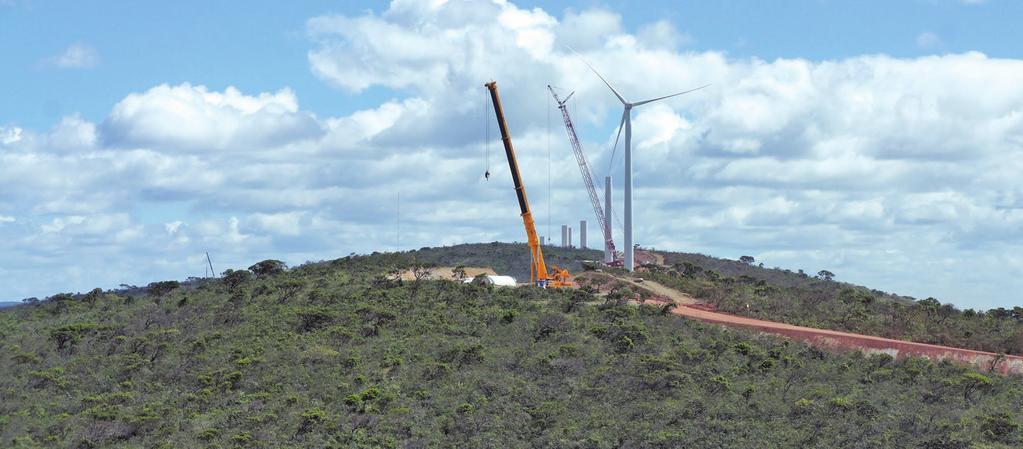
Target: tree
92,296
60,301
826,275
420,271
971,382
747,260
268,267
234,278
459,273
158,289
288,288
930,306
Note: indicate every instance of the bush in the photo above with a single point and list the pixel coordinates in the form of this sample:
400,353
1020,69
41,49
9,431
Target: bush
549,324
234,278
268,267
999,427
158,289
67,336
312,318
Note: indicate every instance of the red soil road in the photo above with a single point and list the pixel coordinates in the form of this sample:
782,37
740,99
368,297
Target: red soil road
689,307
831,340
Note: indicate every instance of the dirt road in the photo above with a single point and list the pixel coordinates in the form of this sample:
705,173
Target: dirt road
834,340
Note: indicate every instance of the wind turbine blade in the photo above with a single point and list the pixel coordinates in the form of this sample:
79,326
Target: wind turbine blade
640,103
620,97
615,147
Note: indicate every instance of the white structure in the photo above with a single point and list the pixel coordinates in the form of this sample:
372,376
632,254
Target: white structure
570,237
608,257
495,280
564,236
582,234
627,123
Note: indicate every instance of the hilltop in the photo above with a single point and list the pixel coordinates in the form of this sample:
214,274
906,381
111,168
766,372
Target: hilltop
342,354
777,294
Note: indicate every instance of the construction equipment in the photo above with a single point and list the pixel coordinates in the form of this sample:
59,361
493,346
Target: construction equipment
538,272
584,170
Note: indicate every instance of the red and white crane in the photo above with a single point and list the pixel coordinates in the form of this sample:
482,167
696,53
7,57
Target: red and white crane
584,170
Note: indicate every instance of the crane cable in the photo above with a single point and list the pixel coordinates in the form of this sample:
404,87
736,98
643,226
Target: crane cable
548,167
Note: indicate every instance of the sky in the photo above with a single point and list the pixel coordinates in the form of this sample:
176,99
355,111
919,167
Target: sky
879,140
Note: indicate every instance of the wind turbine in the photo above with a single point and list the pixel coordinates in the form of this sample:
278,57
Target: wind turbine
627,123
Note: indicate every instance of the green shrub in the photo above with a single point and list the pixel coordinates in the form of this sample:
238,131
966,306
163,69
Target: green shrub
235,278
268,267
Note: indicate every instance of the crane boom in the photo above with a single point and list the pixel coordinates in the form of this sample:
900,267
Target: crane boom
584,170
538,272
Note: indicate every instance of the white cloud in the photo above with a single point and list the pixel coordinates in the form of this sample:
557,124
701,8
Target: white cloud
928,40
281,223
868,134
58,224
662,34
588,29
76,56
193,118
9,135
173,227
899,173
7,219
72,134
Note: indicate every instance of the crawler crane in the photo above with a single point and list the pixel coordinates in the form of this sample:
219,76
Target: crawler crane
584,170
538,271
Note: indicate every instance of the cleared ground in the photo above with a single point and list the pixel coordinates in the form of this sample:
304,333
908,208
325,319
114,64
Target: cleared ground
448,273
689,307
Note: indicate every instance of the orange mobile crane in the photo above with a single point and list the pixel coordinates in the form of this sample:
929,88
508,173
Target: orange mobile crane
538,273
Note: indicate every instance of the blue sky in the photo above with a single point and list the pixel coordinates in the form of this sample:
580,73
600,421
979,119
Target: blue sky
263,46
876,139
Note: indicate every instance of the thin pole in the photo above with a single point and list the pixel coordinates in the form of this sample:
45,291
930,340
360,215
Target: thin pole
210,262
397,222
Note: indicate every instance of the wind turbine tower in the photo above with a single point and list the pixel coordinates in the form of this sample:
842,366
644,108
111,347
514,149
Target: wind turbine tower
627,123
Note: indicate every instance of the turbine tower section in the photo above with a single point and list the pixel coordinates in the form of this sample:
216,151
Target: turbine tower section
629,248
582,234
609,249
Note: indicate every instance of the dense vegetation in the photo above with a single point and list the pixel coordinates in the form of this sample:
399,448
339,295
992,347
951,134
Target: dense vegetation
338,354
818,301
